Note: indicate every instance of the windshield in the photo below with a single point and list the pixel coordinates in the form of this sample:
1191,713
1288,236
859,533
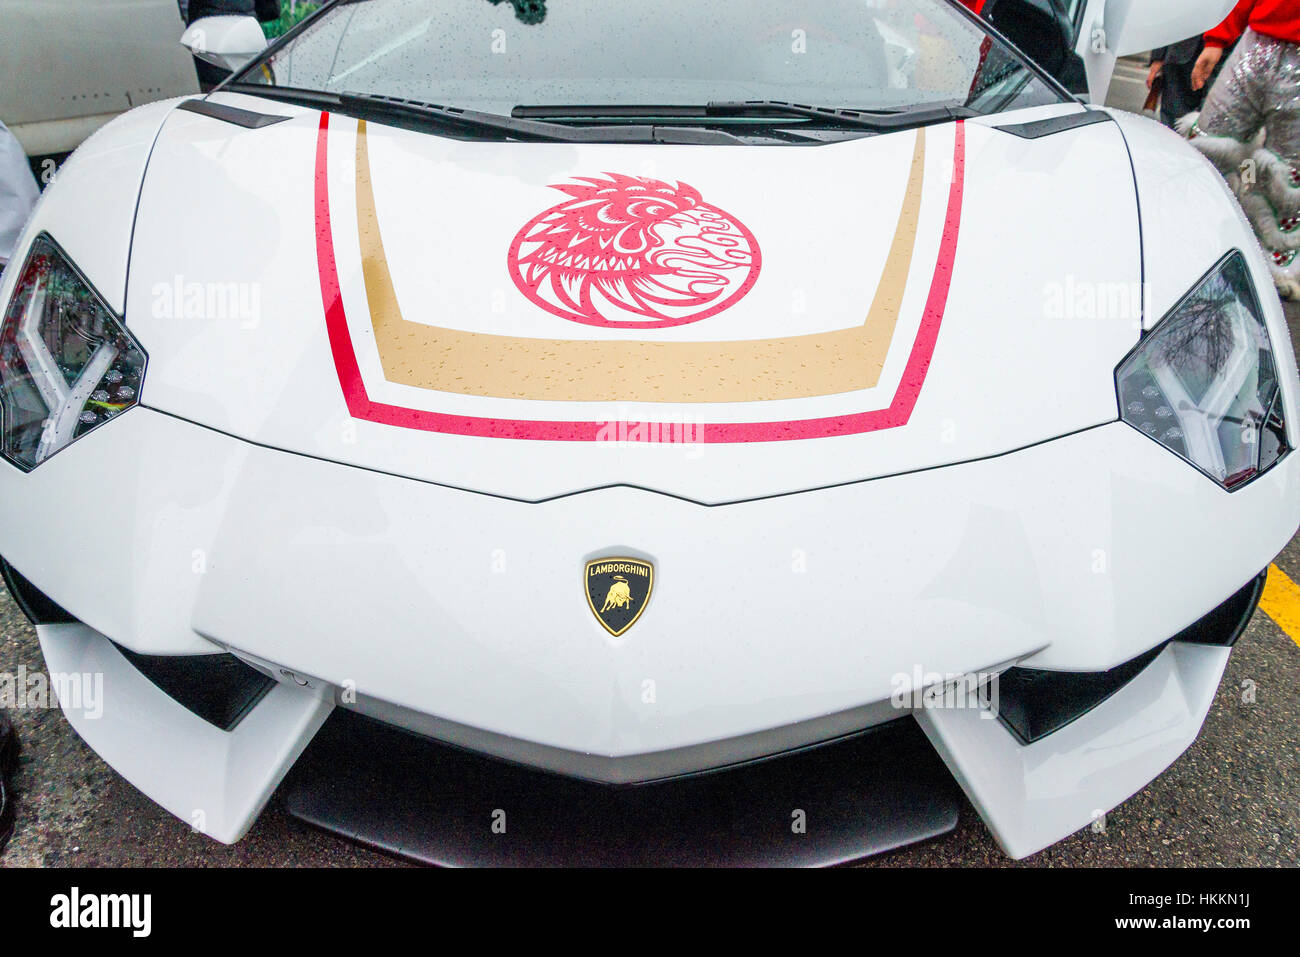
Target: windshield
496,55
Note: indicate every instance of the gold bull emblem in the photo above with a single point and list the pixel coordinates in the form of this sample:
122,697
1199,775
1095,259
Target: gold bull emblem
619,596
618,591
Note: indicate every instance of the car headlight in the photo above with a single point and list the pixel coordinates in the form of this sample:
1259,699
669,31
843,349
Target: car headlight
67,363
1203,383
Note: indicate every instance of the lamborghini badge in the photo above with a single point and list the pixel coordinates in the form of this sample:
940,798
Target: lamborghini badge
618,590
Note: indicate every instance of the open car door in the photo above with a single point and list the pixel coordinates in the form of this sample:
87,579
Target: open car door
1078,41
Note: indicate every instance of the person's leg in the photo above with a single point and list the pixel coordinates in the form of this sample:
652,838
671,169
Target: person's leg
1233,113
1178,99
1258,86
1272,196
209,74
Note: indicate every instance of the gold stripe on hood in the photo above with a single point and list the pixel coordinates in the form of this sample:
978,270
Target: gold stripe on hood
608,370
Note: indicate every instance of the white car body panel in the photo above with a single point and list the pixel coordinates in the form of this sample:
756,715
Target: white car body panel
91,204
1186,227
216,781
1034,795
432,579
277,379
916,586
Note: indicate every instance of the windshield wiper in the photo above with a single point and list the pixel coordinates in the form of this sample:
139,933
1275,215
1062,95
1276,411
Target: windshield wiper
881,121
285,94
455,119
433,114
757,111
505,126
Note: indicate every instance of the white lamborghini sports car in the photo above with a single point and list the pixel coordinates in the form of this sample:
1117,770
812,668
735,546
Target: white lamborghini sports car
681,432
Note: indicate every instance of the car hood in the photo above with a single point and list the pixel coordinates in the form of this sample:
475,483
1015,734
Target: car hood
713,322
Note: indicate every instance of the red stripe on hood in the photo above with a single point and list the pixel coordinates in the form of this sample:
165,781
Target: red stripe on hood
360,406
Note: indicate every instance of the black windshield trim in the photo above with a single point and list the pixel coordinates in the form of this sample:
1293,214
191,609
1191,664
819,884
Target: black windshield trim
1037,129
248,119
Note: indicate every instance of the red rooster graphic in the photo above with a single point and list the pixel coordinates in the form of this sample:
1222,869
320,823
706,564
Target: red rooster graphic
634,252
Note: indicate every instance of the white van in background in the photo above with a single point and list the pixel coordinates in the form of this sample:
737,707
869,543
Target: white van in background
67,67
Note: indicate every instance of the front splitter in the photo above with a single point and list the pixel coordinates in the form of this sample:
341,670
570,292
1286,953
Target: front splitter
416,798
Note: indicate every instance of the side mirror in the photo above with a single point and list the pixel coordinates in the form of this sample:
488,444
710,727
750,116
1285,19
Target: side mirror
1136,26
1110,29
229,42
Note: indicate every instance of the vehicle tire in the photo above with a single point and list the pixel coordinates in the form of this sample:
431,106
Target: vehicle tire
8,763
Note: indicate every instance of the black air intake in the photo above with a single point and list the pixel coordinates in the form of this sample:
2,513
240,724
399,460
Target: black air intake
218,688
1033,703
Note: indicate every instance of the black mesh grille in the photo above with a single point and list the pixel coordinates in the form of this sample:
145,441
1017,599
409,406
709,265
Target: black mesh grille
220,688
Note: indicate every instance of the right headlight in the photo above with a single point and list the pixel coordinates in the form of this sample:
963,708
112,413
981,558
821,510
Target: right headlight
67,363
1203,382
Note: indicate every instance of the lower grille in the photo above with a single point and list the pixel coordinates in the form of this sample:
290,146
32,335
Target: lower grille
431,802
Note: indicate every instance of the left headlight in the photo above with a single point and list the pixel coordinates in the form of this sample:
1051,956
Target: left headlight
1204,383
67,363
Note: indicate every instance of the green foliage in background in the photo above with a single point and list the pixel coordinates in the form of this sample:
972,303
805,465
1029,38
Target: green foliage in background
290,16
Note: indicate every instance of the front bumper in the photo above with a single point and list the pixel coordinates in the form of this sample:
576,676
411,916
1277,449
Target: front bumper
775,624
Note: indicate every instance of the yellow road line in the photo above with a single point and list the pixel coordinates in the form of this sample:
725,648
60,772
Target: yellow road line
1281,602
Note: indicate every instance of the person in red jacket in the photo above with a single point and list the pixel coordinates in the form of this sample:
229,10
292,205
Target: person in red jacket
1250,126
